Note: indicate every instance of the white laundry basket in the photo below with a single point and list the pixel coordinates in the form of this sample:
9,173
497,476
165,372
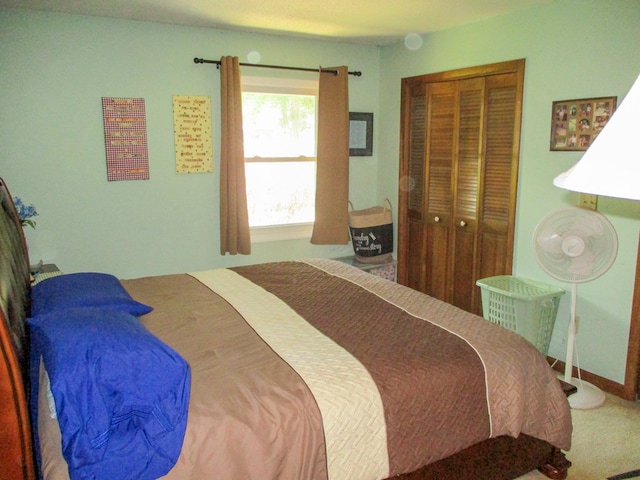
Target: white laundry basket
527,307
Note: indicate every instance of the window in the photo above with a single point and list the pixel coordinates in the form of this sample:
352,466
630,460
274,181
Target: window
279,123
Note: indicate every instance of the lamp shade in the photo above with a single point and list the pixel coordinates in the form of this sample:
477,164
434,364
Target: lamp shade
611,164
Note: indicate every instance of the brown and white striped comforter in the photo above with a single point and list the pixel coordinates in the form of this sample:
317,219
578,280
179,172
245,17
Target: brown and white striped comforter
316,370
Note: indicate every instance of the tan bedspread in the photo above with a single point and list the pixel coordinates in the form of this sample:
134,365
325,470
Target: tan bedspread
274,362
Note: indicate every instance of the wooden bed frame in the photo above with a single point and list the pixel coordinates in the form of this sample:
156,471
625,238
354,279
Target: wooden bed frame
16,446
495,459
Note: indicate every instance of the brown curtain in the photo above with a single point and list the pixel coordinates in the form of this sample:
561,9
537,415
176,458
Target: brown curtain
235,236
332,176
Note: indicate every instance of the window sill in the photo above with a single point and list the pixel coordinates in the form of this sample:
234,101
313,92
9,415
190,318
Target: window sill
273,233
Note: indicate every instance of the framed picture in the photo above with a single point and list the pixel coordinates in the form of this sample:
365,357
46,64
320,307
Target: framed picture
360,134
576,123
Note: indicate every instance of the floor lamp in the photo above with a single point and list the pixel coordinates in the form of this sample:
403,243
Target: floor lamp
611,165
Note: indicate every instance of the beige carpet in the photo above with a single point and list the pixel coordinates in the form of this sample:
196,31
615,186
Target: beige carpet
606,441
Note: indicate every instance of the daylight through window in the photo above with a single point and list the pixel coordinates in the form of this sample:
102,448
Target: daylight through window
279,123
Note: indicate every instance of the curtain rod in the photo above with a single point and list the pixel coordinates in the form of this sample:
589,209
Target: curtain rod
301,69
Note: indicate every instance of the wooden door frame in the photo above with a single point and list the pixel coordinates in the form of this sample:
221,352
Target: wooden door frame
632,372
498,68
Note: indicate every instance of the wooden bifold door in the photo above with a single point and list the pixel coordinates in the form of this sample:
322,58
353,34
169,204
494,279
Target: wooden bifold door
460,138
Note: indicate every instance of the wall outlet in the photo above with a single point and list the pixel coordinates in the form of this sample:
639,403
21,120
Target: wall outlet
589,201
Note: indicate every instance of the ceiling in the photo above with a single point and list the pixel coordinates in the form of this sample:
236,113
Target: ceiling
369,22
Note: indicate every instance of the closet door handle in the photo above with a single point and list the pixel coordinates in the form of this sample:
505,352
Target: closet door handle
463,223
436,219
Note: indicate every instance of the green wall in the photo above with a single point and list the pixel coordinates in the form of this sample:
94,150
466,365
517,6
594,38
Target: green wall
55,69
573,49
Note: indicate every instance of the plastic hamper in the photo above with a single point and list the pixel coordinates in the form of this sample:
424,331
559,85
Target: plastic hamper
524,306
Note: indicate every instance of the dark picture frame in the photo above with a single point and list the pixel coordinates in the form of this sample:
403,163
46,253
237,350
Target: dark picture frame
360,134
576,123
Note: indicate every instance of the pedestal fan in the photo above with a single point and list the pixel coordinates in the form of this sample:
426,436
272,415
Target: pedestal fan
576,245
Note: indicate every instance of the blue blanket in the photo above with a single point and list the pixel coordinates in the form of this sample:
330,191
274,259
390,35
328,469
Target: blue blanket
121,395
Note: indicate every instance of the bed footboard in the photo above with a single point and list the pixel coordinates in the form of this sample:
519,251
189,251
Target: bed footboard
498,458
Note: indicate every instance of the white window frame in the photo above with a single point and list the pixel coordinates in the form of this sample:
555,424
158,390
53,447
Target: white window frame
292,231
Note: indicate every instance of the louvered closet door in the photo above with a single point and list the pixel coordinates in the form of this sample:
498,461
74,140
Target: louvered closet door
442,119
467,165
458,176
499,175
411,235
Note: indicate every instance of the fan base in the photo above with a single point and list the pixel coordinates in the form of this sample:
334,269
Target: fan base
588,396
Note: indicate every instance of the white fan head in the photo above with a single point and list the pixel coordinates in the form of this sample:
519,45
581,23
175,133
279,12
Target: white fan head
575,244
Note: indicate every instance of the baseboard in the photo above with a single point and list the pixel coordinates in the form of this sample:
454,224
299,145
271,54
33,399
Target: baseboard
604,384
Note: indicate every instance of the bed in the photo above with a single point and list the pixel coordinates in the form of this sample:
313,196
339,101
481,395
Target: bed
305,369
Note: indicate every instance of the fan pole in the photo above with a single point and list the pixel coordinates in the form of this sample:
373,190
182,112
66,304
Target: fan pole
571,340
588,395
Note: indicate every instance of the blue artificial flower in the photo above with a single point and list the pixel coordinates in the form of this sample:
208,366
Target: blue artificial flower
25,212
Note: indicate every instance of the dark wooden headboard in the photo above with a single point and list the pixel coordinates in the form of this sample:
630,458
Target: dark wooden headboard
16,444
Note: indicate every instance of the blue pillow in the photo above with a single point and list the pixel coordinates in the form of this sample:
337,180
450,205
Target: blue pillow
83,290
121,394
